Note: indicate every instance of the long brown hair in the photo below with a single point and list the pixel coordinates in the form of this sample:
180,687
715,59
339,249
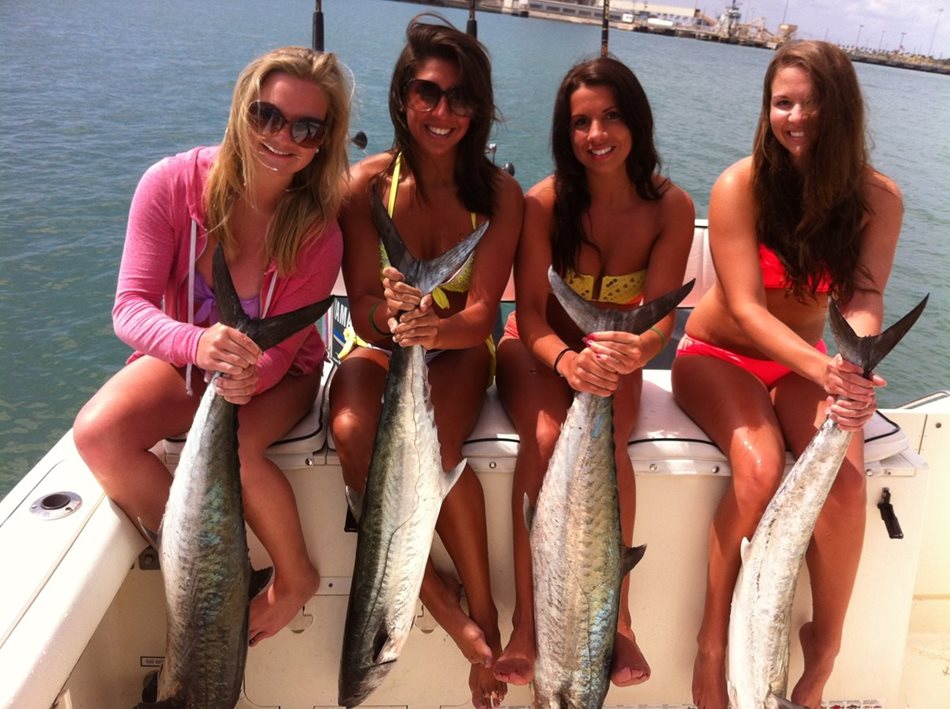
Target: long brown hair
811,215
475,175
313,199
572,194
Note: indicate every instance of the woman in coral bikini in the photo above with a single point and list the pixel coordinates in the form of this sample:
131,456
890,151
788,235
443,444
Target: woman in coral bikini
804,218
604,211
438,186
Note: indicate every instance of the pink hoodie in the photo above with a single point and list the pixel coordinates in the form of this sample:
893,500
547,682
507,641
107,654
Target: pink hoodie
151,312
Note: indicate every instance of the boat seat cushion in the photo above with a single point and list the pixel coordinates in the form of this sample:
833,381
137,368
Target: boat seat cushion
301,442
665,439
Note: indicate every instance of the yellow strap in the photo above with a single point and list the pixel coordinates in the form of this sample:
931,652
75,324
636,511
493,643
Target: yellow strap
438,294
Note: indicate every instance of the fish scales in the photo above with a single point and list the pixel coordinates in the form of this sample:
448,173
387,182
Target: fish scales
576,530
204,560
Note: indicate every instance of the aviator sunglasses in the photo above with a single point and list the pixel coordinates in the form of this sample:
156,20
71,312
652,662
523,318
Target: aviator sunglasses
266,118
424,95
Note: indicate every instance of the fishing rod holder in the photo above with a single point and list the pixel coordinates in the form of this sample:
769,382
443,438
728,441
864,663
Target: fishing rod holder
56,505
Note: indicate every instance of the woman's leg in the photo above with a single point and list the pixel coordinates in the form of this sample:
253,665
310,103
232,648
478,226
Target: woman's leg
139,406
269,503
458,379
835,549
536,400
743,424
356,393
629,665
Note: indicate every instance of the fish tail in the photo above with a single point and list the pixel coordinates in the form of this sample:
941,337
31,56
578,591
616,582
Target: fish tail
267,332
867,352
423,274
590,318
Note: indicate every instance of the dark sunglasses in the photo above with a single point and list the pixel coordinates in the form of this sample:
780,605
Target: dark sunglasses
266,118
424,95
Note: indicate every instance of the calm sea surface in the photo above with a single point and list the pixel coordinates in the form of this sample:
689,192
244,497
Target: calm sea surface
94,92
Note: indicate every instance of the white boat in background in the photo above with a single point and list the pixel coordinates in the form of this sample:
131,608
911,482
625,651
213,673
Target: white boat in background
82,610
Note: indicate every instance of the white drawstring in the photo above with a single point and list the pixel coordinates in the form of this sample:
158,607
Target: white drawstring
192,258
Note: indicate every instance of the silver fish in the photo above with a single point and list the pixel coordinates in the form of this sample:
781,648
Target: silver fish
577,551
202,542
762,599
403,496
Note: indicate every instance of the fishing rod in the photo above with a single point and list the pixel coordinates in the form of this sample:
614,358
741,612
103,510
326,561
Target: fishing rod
359,139
605,29
317,38
472,26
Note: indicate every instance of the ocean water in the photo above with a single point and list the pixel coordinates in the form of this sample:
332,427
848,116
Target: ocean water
94,92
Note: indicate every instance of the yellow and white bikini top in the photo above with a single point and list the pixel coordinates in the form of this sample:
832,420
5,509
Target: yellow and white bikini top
461,281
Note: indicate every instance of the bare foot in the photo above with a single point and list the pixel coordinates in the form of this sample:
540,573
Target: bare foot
629,666
516,664
445,605
487,691
272,610
818,666
709,681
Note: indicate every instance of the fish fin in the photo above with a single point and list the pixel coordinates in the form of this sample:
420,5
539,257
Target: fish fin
267,332
226,298
424,275
590,318
867,352
379,644
649,314
631,556
451,477
354,500
154,538
744,549
583,313
528,510
260,580
774,702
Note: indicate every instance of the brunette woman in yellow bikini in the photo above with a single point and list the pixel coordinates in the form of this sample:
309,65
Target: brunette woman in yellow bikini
438,185
619,233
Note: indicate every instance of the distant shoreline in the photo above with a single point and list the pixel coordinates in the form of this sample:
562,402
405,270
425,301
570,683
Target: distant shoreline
891,58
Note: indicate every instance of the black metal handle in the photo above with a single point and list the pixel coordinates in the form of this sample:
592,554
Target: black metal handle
894,530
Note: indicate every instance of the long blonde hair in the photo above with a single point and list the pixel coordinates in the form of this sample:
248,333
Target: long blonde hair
314,196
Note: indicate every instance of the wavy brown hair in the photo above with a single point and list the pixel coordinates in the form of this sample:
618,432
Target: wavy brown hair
313,199
572,193
811,215
475,175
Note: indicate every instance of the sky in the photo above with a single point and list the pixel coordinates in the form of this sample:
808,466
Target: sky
840,21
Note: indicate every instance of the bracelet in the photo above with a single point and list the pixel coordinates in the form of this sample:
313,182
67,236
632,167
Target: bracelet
558,359
372,319
662,336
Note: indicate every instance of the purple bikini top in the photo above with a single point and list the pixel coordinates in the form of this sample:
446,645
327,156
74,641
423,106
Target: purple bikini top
206,312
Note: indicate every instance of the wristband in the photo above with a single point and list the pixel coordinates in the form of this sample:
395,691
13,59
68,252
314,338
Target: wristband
558,359
662,336
372,319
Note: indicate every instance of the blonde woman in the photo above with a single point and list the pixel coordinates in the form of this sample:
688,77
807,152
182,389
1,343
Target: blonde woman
268,195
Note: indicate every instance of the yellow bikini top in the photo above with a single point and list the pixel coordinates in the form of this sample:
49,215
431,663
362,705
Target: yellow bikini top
624,289
461,281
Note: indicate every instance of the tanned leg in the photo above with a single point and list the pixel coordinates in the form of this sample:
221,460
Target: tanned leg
743,424
536,400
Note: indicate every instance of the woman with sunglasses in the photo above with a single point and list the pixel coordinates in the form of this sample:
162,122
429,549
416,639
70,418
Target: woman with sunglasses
619,234
269,196
438,186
